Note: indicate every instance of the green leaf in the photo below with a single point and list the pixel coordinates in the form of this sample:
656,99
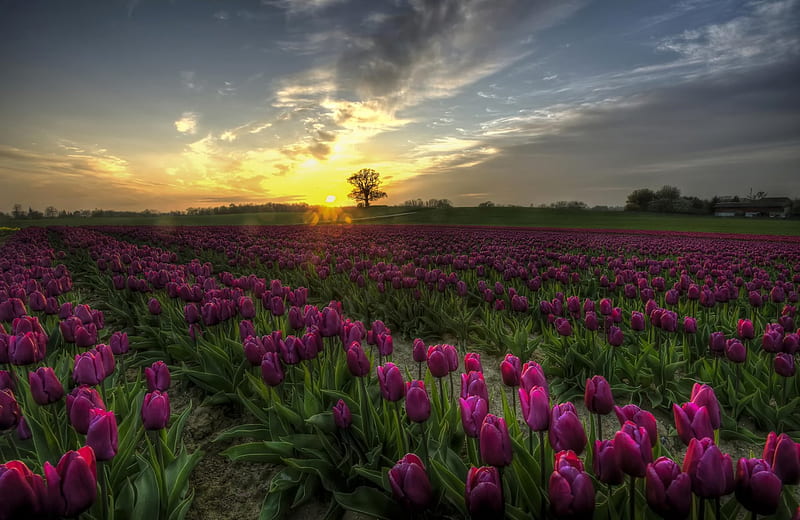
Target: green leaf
252,431
271,452
146,502
369,501
452,486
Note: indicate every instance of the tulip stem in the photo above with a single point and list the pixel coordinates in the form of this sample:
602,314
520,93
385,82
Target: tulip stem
419,371
632,498
441,394
599,427
542,471
103,488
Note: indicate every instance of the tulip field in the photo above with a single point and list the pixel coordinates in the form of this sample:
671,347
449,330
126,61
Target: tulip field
399,372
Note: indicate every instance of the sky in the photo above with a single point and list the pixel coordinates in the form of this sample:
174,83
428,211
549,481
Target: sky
187,103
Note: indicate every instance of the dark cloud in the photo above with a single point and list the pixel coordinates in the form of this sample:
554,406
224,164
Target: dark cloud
716,135
446,35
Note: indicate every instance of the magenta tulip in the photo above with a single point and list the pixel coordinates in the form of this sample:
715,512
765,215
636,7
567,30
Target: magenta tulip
410,484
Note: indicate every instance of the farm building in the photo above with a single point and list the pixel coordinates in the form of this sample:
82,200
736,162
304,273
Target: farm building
775,207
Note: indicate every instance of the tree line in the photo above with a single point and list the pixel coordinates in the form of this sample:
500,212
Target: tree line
668,199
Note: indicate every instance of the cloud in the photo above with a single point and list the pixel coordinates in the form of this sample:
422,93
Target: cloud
187,124
299,7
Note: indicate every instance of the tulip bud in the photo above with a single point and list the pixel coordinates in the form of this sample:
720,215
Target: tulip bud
418,404
6,381
563,327
271,369
472,362
535,407
703,395
80,402
484,493
88,369
598,398
784,364
495,442
119,343
102,433
689,325
45,386
532,375
410,484
745,330
637,321
735,351
473,383
473,411
511,370
357,360
419,351
570,488
566,431
757,488
155,410
692,422
72,484
341,415
716,343
634,449
154,306
391,382
669,491
606,464
640,417
711,471
437,361
157,376
783,456
9,410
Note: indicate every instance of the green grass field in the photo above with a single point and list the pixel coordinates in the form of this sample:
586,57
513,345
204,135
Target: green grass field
527,217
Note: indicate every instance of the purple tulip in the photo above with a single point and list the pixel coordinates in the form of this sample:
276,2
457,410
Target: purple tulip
511,370
342,417
23,492
615,336
271,369
597,397
80,402
606,463
437,361
419,352
643,418
716,343
535,407
634,449
473,383
88,369
119,343
45,386
330,322
668,489
637,321
745,330
783,456
102,433
570,488
784,364
72,484
106,358
155,410
418,404
9,410
391,382
357,360
735,351
703,395
563,327
590,321
495,442
484,493
757,488
472,362
689,325
154,306
532,375
27,348
6,381
410,484
566,431
157,376
451,354
473,411
711,471
692,422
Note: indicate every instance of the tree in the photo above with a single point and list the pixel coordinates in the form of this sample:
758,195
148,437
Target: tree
639,199
366,186
668,193
756,196
17,211
486,204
